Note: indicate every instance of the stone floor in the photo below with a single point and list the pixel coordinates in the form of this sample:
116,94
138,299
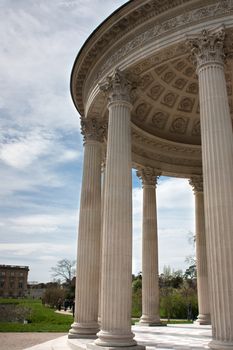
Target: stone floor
18,341
176,337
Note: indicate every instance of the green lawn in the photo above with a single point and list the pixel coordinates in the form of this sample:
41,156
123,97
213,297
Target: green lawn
42,319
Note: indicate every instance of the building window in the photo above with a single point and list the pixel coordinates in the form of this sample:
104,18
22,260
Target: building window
2,273
21,274
20,284
2,283
12,273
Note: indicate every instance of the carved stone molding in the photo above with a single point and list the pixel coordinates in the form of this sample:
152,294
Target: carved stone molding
179,125
142,111
197,183
93,129
118,88
219,8
95,48
159,120
207,47
148,176
163,146
196,130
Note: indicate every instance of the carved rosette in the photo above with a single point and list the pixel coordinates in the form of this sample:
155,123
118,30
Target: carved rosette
118,88
148,176
93,129
197,183
208,47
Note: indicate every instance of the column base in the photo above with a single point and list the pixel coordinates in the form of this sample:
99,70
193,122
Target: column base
93,346
113,339
220,345
149,321
203,319
83,330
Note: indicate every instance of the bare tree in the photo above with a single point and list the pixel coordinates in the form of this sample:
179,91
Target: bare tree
64,270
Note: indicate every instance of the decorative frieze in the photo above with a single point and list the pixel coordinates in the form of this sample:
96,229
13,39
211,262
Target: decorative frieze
160,29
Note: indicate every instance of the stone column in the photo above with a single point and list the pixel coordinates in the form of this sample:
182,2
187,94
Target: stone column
101,235
217,155
88,255
117,221
150,280
201,255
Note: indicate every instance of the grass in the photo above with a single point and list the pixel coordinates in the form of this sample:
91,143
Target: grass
42,318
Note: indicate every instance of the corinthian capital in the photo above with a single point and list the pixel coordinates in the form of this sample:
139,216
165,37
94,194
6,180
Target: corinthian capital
117,87
197,183
93,129
148,176
207,47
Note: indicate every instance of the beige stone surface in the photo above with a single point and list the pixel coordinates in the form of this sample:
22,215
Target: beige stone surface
201,253
20,341
179,337
217,154
177,120
117,220
150,280
88,255
166,131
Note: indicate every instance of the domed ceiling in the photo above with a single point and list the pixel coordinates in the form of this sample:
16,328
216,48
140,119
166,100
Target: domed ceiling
167,105
147,39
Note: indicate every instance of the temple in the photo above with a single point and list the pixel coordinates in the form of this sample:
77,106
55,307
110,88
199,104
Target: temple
153,87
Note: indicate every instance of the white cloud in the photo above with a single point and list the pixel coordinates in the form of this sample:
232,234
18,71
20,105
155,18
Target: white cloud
175,214
40,147
43,222
174,193
22,151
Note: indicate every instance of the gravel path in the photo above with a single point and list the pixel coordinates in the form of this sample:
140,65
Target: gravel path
20,341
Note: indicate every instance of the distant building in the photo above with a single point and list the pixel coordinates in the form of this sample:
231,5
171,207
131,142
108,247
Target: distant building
36,290
13,280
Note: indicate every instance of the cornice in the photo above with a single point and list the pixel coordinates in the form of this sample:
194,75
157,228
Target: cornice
122,22
151,142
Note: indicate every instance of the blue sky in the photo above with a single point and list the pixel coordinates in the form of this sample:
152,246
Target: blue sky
41,146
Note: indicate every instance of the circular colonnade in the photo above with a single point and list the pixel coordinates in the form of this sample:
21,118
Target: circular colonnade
153,86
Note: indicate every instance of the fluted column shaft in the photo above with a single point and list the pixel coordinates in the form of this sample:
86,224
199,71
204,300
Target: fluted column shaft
101,235
117,221
150,280
201,253
88,254
217,155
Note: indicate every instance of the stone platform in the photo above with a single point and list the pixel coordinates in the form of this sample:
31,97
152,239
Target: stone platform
176,337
